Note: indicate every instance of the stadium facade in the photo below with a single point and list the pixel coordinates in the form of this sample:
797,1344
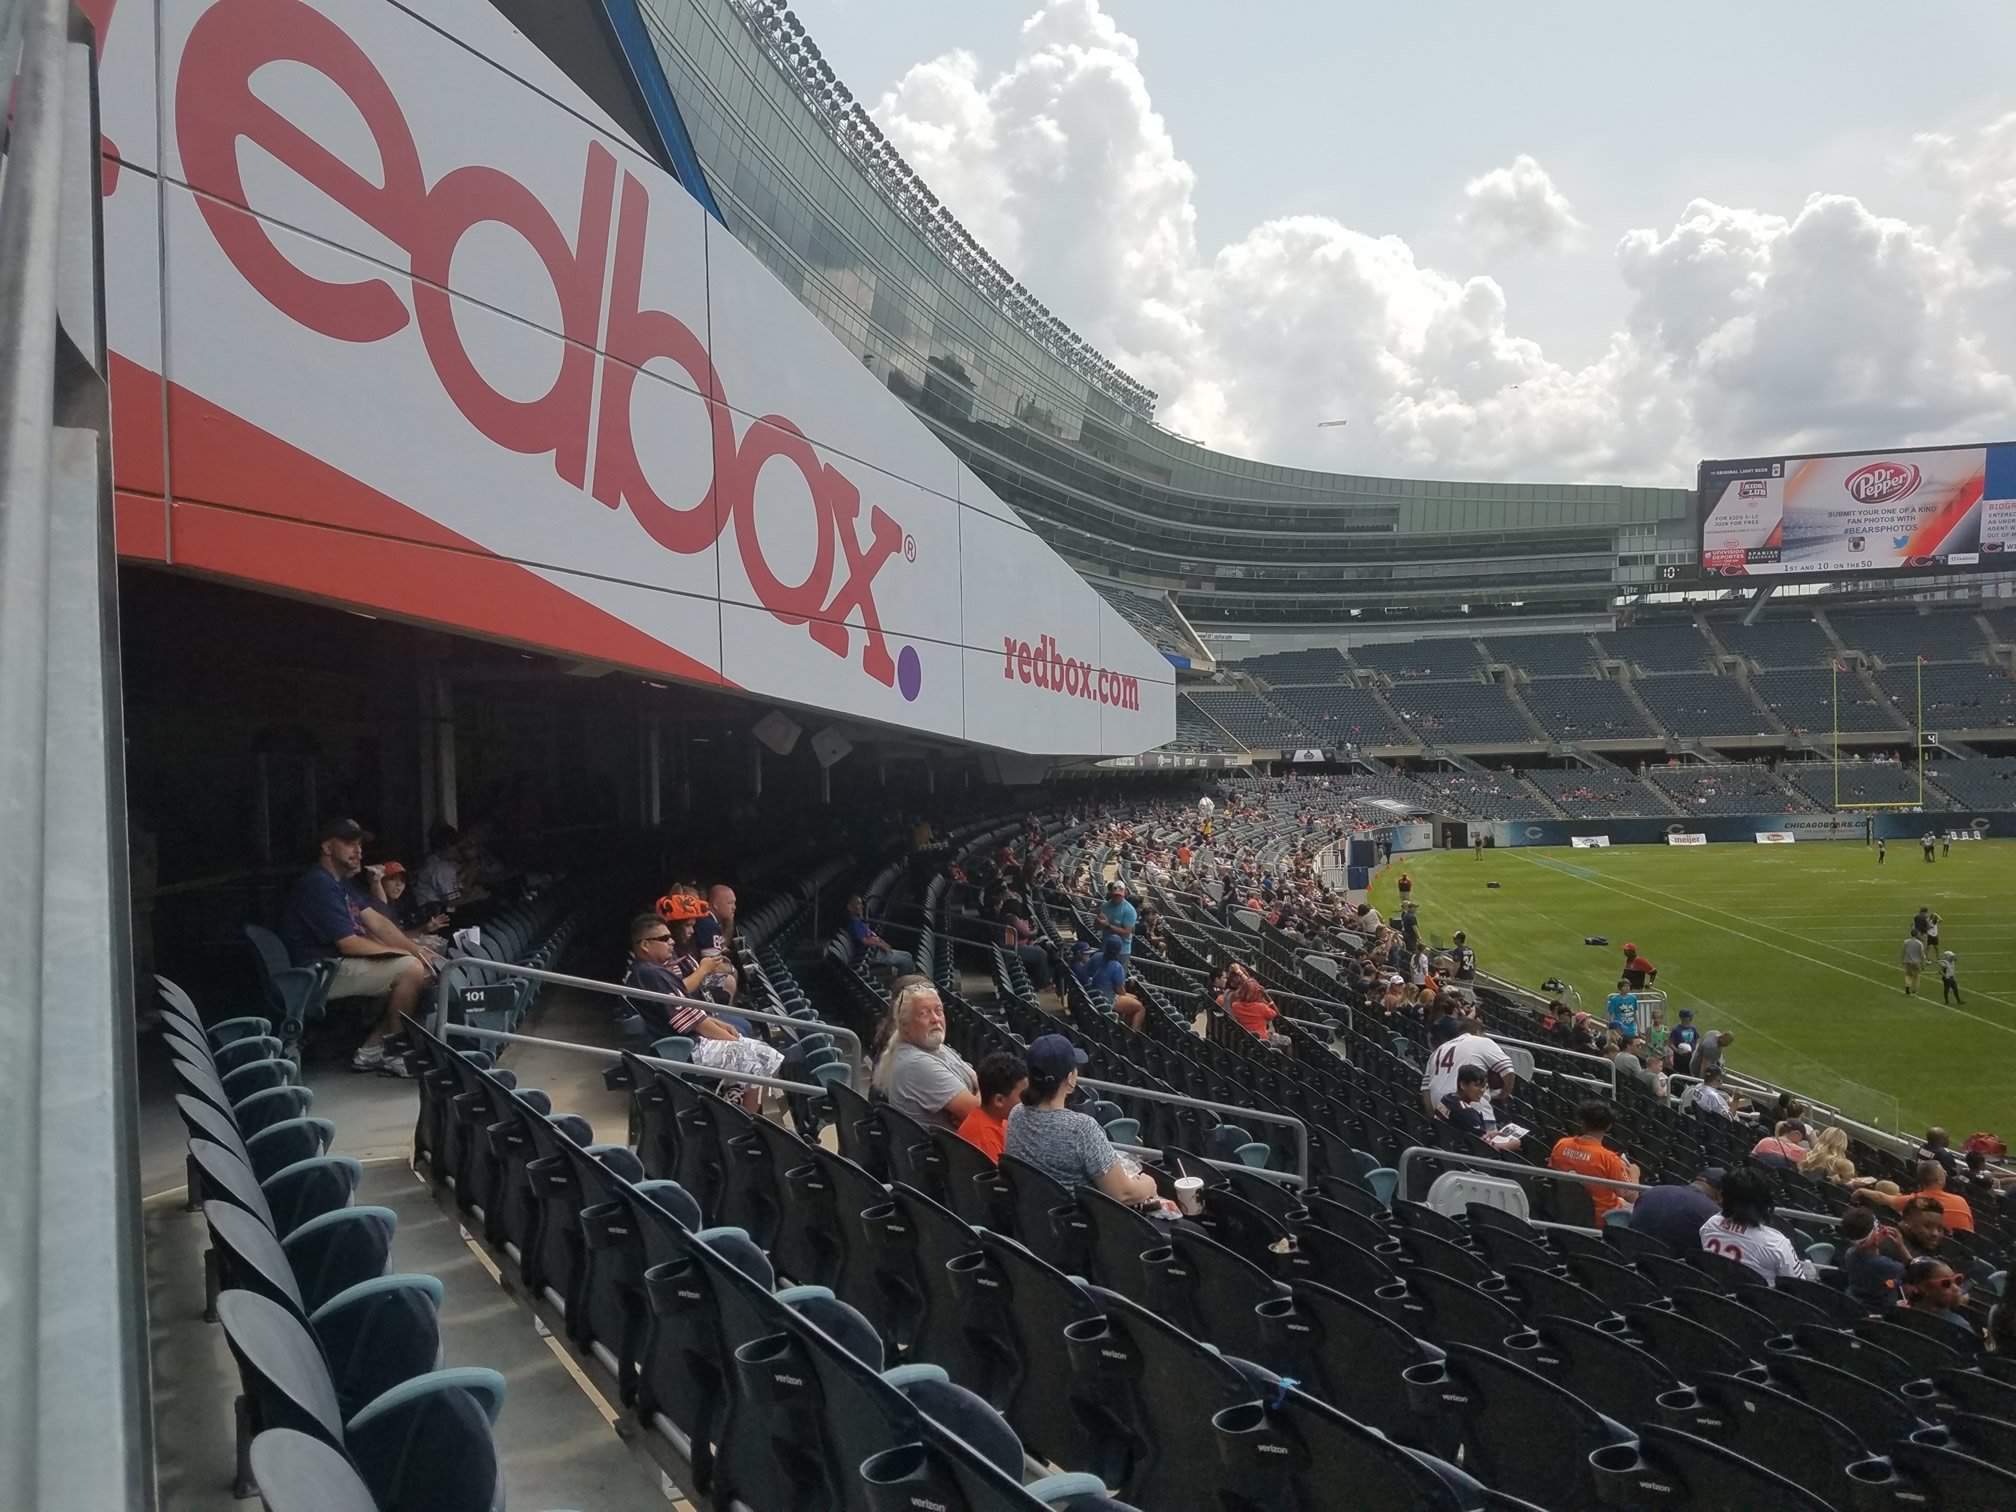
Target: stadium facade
806,181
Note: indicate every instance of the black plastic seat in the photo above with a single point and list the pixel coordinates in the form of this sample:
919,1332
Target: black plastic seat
378,1333
862,1280
1346,1352
858,1130
1046,1217
1618,1285
1741,1325
938,1334
1544,1293
911,1156
1691,1348
1019,1310
324,1256
1461,1314
1522,1433
1249,1229
1841,1309
1872,1414
1633,1245
1783,1433
1977,1392
751,1190
1850,1352
1925,1352
1600,1365
1784,1309
1210,1291
1504,1246
1421,1218
1670,1468
1149,1394
1431,1251
1915,1474
1120,1236
1285,1449
1362,1229
1987,1438
972,1183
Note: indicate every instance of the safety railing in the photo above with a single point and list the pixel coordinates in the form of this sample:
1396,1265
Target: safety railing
452,969
605,1053
1413,1154
75,1429
1255,1115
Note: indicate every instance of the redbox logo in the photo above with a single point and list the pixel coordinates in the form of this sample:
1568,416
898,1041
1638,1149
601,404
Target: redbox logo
1882,482
215,109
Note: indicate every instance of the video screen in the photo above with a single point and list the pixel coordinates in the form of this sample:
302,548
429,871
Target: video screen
1932,508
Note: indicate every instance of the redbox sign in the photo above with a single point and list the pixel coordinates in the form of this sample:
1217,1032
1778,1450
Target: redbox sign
216,109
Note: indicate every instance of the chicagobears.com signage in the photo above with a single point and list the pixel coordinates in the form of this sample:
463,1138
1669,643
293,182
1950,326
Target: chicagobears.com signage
401,319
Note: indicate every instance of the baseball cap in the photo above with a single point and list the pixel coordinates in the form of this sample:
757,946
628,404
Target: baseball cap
1713,1177
1687,1013
1116,885
1083,947
1053,1057
393,869
342,829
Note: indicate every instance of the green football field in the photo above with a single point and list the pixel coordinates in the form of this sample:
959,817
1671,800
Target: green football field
1794,949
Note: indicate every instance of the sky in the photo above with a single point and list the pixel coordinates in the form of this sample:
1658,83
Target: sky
1566,242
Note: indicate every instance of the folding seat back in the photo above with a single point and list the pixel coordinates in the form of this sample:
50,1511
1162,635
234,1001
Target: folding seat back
1784,1434
1347,1222
1418,1217
1247,1228
426,1446
1671,1468
1542,1293
1977,1392
296,996
862,1280
1916,1474
943,1470
1287,1449
1725,1272
1046,1217
859,1130
1691,1348
1431,1251
1849,1352
1723,1312
297,1473
1150,1393
1024,1307
1502,1247
685,1386
1840,1308
906,1146
1618,1285
552,1264
334,1252
750,1192
1224,1292
697,1166
1460,1313
222,1175
653,1118
1633,1245
1120,1236
280,1366
972,1183
512,1221
1985,1438
1871,1413
275,1105
1926,1353
937,1238
1784,1309
1601,1365
378,1333
1345,1352
1522,1433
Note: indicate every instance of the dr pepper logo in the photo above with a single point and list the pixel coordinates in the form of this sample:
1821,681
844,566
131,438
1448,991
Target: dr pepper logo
216,109
1882,482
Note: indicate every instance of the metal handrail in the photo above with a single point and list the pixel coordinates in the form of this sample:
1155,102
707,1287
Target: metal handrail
613,989
1485,1163
601,1052
1148,1094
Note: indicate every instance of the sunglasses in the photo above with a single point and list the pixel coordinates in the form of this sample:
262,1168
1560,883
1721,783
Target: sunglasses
664,939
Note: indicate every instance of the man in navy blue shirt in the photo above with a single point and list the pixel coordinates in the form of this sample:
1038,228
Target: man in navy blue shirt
327,916
1675,1213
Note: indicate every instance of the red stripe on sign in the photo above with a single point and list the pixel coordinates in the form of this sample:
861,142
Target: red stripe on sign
140,526
318,532
137,404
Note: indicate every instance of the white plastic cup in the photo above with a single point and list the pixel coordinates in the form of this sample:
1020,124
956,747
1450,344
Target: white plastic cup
1190,1194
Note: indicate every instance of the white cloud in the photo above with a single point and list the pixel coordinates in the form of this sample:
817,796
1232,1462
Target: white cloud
1745,330
1518,206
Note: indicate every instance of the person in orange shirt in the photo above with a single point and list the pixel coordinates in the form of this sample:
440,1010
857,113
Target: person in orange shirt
1248,1004
1931,1183
1585,1154
1004,1077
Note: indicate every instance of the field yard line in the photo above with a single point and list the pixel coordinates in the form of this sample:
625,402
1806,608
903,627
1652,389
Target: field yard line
1815,960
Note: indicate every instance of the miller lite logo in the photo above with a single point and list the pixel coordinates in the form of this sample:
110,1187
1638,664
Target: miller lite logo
1882,482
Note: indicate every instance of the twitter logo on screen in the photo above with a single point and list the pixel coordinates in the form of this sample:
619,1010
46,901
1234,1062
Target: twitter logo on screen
1900,542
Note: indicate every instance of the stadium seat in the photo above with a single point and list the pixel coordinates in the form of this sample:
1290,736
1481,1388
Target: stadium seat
1522,1433
297,1472
297,996
1692,1474
321,1258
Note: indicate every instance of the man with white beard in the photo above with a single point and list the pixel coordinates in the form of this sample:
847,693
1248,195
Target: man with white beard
920,1074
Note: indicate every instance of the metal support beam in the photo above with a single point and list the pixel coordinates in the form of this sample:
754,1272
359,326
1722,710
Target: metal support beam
1756,610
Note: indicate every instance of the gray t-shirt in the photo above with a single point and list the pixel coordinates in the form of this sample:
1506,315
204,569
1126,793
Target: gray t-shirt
1914,951
1068,1147
922,1082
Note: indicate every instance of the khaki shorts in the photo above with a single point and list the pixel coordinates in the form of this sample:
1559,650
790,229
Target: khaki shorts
367,976
1911,975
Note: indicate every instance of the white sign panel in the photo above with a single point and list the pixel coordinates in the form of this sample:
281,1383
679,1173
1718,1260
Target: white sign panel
1776,837
434,337
1589,842
1686,839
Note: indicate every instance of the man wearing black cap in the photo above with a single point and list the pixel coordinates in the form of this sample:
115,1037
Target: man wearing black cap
1675,1213
327,916
1119,915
